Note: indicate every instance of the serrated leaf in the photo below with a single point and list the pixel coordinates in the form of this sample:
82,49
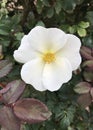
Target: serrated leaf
12,91
8,120
84,100
65,122
81,32
71,113
5,67
31,110
82,87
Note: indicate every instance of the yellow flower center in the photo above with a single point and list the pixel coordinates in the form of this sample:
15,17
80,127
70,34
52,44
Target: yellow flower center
49,57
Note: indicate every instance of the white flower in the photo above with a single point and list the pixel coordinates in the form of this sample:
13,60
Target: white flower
49,57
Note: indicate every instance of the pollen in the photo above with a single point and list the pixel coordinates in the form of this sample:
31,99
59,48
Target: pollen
49,57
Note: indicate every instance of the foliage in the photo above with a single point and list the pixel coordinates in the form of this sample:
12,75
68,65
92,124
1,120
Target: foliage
71,106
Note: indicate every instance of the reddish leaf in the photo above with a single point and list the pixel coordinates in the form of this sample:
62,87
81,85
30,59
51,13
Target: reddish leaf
82,87
4,90
88,64
88,76
86,49
12,91
1,54
86,53
8,120
3,128
2,85
5,67
31,110
84,100
91,92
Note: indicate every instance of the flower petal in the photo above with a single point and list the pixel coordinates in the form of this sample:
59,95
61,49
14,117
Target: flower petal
51,39
31,73
57,73
57,38
25,52
37,38
71,51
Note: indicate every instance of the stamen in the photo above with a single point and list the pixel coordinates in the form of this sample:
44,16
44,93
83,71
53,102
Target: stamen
49,57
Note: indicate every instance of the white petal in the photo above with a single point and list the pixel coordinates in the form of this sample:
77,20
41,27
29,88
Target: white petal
74,59
24,56
71,51
57,38
25,52
31,73
73,43
57,73
51,39
37,38
24,43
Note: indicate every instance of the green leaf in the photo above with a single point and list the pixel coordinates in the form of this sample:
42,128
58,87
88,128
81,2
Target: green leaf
3,32
88,40
83,24
4,27
81,32
69,5
16,19
50,12
5,42
70,128
46,3
19,36
89,16
65,122
72,29
58,7
39,6
40,23
67,117
71,113
81,126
